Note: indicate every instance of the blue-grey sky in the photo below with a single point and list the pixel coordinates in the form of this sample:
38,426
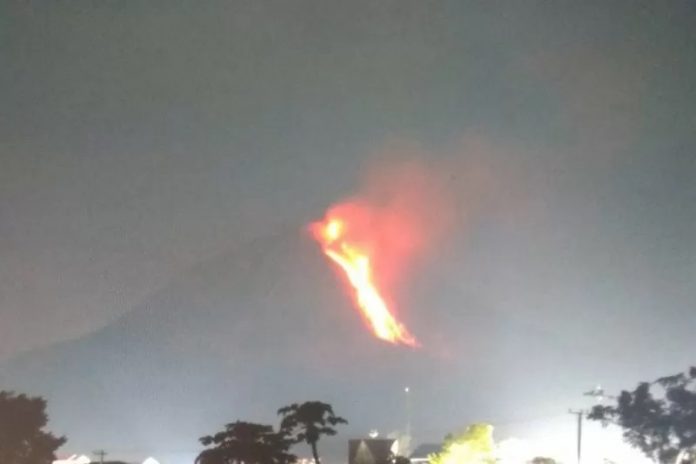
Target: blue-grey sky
141,140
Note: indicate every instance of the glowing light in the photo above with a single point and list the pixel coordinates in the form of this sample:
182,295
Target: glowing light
514,451
355,258
394,449
74,459
473,446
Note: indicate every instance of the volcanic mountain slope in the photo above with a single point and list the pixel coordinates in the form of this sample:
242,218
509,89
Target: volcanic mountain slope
236,337
246,333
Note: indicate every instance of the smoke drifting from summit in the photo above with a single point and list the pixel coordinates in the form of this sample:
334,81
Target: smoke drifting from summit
375,236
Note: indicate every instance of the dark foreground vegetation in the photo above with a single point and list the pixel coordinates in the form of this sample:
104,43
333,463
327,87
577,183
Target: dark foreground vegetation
657,417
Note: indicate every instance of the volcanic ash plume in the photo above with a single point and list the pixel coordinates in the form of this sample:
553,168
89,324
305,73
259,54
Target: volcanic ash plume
374,237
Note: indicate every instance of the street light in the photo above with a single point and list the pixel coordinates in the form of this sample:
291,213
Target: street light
598,394
407,445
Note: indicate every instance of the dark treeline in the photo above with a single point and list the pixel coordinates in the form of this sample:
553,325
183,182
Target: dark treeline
657,417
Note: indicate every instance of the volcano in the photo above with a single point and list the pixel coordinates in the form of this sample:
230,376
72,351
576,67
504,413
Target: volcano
261,327
235,337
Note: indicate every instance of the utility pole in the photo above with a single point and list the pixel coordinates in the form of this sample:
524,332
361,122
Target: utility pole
100,454
407,393
580,413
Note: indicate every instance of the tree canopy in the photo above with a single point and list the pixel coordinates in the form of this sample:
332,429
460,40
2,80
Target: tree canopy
22,438
247,443
308,421
473,446
658,417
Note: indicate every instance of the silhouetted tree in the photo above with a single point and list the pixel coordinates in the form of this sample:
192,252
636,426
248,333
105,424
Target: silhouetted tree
22,440
308,421
662,426
475,444
246,443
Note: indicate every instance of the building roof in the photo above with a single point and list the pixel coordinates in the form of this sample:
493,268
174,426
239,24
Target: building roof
369,450
424,450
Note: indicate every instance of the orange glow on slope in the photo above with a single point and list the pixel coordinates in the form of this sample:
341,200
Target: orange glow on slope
353,254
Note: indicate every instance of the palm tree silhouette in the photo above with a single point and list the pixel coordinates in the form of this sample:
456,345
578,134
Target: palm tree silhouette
308,421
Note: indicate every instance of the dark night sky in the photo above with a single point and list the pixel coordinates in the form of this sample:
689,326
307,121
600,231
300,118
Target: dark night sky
141,141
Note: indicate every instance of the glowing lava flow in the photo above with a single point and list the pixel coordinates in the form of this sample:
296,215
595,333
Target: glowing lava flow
356,262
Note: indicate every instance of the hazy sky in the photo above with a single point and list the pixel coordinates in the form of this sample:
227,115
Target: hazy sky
138,139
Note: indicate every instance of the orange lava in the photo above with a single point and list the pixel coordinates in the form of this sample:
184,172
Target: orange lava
354,256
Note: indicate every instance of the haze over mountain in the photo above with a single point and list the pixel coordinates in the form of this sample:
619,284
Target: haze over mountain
206,350
160,162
